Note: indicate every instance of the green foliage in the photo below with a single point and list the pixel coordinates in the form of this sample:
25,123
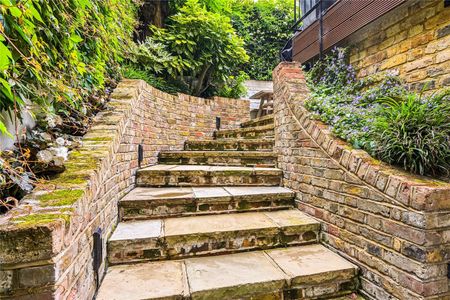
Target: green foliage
204,47
265,27
216,6
414,132
234,87
56,53
132,72
380,116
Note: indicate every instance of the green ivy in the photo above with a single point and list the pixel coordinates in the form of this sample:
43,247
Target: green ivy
55,53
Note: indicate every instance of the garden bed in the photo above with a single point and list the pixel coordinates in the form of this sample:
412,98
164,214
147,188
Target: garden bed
379,114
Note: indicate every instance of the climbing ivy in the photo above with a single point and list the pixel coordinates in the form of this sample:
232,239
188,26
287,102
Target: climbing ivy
55,53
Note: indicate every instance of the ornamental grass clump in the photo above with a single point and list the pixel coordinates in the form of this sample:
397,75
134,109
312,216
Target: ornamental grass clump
413,132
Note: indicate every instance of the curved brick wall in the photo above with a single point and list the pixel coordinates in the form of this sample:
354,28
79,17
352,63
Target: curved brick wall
46,243
393,225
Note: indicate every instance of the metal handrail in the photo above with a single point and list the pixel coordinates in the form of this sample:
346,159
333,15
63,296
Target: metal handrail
297,22
288,46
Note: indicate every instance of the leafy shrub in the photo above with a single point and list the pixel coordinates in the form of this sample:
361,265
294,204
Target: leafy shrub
379,115
414,132
56,53
265,26
205,48
234,87
131,72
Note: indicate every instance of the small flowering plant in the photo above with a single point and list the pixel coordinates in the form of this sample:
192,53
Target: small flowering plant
358,112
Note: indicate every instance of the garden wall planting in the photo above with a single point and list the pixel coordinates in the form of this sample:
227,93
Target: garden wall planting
46,243
394,226
413,40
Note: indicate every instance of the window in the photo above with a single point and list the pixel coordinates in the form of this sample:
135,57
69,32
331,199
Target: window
306,5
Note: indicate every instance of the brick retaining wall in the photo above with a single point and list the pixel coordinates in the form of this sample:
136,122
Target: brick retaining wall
394,226
413,40
46,243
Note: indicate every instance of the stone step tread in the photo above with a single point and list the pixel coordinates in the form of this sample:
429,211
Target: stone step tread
209,169
269,127
204,153
207,175
210,224
222,158
249,275
146,203
231,144
173,238
255,122
191,193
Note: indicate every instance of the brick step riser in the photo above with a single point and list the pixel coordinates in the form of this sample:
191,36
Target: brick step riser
232,146
128,214
220,161
257,123
144,210
330,289
246,135
177,247
153,179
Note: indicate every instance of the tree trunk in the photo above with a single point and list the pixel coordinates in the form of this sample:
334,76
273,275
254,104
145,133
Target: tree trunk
201,78
152,12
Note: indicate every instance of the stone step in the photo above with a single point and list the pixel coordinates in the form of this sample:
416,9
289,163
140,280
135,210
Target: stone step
222,158
191,175
265,120
303,272
230,145
151,203
173,238
266,131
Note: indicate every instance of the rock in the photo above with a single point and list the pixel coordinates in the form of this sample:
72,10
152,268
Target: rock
44,156
46,137
62,152
60,141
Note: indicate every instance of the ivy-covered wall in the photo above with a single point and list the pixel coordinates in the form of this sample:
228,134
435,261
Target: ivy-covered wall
57,55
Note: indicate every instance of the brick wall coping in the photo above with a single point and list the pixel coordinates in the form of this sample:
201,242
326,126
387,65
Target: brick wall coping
418,192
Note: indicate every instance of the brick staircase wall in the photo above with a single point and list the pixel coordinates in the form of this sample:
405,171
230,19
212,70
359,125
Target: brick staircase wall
394,226
46,243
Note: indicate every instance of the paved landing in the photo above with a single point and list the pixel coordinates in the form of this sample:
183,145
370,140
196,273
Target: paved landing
234,276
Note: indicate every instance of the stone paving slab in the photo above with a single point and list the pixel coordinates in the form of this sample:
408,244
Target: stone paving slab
206,175
217,223
221,158
159,193
203,153
251,190
147,229
148,202
158,280
312,264
233,276
269,274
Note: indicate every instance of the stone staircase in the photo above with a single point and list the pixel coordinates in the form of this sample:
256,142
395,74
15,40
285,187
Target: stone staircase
213,222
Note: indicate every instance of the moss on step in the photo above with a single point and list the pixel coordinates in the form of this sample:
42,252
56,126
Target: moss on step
98,139
40,219
60,197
